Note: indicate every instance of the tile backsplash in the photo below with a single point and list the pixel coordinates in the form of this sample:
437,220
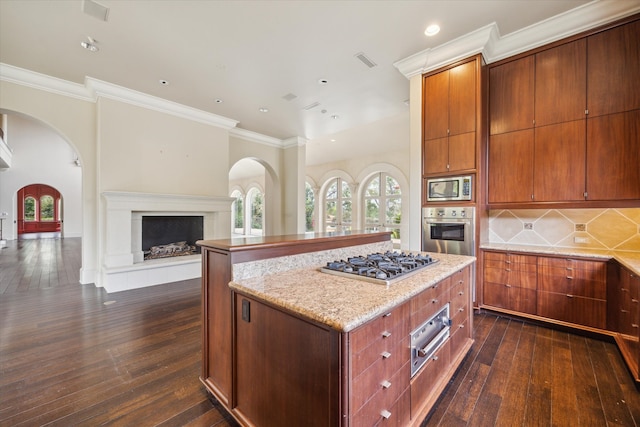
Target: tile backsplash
609,229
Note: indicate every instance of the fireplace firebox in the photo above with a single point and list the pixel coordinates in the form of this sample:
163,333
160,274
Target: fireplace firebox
158,231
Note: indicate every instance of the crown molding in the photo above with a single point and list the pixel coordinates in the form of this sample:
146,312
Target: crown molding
92,89
493,47
295,141
256,137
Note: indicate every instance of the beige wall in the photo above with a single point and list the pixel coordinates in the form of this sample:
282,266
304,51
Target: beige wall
146,151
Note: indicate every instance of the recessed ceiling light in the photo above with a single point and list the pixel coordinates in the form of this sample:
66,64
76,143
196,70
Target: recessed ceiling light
335,117
263,110
323,81
333,140
218,101
432,30
164,82
90,45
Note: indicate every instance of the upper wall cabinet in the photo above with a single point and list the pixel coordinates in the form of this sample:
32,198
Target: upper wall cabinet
450,107
578,99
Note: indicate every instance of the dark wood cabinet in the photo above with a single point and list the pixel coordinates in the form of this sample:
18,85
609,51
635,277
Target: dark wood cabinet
511,167
511,92
582,100
450,108
624,314
613,163
573,291
510,281
613,70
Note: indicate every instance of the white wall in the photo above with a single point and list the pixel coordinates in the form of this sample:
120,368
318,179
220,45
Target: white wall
40,156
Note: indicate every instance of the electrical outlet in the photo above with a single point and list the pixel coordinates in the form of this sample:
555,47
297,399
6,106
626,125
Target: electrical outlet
580,239
581,227
528,226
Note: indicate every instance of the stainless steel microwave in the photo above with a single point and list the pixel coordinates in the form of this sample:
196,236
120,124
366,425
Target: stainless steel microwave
453,188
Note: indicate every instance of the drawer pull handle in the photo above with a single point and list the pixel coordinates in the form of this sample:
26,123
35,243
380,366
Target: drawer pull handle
624,311
507,285
386,334
624,290
385,354
460,293
385,414
569,296
434,301
634,300
570,268
385,384
434,358
633,325
386,314
507,269
461,309
569,277
507,262
461,326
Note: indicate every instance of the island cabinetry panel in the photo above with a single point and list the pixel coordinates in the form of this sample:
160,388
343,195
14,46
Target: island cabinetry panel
279,358
429,301
573,291
510,281
450,116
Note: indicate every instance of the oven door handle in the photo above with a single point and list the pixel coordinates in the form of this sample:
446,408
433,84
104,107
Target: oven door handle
429,349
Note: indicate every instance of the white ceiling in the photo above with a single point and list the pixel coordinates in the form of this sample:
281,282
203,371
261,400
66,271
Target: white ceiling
251,54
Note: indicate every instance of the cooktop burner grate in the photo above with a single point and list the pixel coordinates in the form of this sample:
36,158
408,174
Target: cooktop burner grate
381,268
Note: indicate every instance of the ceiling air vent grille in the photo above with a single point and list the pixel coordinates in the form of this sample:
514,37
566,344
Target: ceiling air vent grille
365,60
311,106
95,9
289,97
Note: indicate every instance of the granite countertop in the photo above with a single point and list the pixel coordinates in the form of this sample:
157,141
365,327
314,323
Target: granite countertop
630,260
343,303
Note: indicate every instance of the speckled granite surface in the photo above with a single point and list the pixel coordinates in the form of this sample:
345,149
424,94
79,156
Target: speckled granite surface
631,260
340,302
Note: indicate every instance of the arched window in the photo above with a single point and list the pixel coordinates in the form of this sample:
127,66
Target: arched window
309,207
256,219
383,205
237,213
46,208
338,206
29,208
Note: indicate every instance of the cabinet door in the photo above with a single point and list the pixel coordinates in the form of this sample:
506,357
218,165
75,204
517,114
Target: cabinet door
561,81
435,156
613,70
462,152
560,162
462,98
511,91
613,156
436,105
511,167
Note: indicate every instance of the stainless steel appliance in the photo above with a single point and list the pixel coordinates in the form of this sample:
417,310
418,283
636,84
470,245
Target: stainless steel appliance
452,188
427,338
449,230
380,268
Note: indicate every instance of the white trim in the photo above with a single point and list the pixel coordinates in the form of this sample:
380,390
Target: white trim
259,138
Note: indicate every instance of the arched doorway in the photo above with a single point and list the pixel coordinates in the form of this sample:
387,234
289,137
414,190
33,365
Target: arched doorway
39,210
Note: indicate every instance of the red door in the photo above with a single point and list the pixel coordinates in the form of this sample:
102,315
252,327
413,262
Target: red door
38,209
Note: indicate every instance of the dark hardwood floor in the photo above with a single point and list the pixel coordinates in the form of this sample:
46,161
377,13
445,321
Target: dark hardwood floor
73,355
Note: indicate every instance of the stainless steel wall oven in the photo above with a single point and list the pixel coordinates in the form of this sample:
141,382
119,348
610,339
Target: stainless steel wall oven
449,230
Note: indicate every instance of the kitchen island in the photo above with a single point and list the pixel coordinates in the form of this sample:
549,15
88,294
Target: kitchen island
286,344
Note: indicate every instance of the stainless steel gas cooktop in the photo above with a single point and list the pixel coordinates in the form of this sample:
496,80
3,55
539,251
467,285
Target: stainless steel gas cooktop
380,268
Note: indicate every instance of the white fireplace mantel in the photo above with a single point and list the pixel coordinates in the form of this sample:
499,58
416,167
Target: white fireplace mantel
123,266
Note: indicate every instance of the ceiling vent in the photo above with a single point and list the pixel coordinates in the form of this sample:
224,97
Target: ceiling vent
289,97
366,61
311,106
95,9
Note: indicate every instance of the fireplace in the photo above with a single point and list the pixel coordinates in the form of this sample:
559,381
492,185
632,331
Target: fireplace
123,265
160,232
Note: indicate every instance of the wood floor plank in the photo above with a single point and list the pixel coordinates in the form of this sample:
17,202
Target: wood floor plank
586,388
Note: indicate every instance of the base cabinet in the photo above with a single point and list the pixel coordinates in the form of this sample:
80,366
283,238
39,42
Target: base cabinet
624,314
290,371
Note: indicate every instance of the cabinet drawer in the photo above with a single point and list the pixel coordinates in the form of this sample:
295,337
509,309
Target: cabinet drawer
458,312
460,334
510,297
525,278
574,309
396,346
425,304
362,336
573,264
400,412
580,283
505,259
381,375
381,403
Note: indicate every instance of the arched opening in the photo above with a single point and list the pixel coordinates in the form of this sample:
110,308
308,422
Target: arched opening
39,211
